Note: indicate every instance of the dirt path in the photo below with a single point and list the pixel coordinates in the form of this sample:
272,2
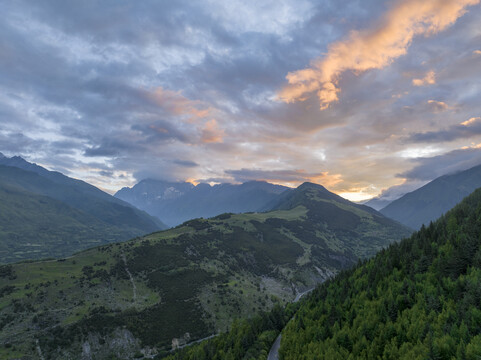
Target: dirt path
134,287
39,351
198,341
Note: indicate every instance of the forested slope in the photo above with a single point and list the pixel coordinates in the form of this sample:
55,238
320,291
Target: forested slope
420,299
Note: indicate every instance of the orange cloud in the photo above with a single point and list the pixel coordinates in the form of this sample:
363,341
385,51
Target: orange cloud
471,121
373,48
159,129
356,194
325,179
429,79
438,106
177,104
211,133
192,181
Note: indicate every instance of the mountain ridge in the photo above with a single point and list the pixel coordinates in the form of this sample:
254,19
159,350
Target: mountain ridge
176,202
58,177
94,216
429,202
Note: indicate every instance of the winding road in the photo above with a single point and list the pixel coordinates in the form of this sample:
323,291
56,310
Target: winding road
274,352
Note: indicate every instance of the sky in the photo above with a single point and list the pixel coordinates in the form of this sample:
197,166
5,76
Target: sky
366,97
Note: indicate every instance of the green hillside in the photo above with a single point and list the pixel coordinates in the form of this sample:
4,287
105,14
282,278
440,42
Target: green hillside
35,226
82,196
160,291
40,218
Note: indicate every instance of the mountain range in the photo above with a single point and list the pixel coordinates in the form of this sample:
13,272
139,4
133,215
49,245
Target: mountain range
429,202
154,293
47,214
176,202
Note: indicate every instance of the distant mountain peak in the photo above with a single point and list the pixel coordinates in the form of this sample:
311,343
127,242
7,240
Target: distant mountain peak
177,202
311,185
308,194
2,156
303,194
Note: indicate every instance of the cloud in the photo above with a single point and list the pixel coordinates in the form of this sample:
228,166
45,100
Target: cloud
437,106
395,192
211,133
471,121
293,177
106,173
374,48
467,129
186,163
477,52
177,104
429,168
136,92
16,143
429,79
111,147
